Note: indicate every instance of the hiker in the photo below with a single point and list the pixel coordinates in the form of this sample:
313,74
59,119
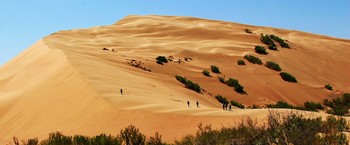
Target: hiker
121,91
188,103
197,104
223,106
230,107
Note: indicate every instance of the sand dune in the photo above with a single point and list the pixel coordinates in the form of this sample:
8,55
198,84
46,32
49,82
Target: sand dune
66,82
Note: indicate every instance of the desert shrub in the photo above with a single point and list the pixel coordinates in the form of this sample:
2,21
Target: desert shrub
206,73
288,77
161,60
329,87
189,84
254,106
240,62
313,106
215,69
248,31
221,99
273,66
132,136
237,104
340,105
81,140
58,138
156,140
235,84
268,41
253,59
221,79
260,50
104,139
280,41
280,104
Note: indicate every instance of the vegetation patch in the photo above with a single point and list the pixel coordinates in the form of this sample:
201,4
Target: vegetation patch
268,41
235,84
221,79
280,41
237,104
328,87
313,106
288,77
260,50
215,69
189,84
206,73
248,31
273,66
339,106
240,62
221,99
253,59
161,60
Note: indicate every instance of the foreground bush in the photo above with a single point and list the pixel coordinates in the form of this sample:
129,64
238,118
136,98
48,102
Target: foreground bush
273,66
215,69
260,50
235,84
339,106
290,129
132,136
240,62
189,84
288,77
313,106
280,41
253,59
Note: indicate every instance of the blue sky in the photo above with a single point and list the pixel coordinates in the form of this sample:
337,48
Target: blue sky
22,23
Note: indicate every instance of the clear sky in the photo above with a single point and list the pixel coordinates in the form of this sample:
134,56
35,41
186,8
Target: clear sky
23,22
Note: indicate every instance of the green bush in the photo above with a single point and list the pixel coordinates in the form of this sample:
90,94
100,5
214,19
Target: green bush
206,73
132,136
248,31
280,41
161,60
156,140
221,79
235,84
188,84
268,41
215,69
235,103
280,104
273,66
339,106
240,62
288,77
260,50
313,106
329,87
253,59
221,99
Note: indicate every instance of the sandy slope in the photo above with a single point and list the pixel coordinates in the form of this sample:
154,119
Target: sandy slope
66,82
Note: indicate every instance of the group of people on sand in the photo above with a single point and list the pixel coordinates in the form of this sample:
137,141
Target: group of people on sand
227,106
188,104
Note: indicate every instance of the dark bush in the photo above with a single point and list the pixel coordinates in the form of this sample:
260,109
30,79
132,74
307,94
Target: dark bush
221,79
280,104
339,106
206,73
253,59
240,62
215,69
280,41
235,84
132,136
235,103
161,60
268,41
313,106
188,84
221,99
248,31
156,140
260,50
329,87
273,66
254,106
288,77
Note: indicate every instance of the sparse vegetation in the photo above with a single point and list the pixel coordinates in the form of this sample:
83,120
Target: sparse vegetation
260,50
235,84
273,66
215,69
313,106
240,62
221,99
206,73
235,103
189,84
132,136
280,41
248,30
268,41
253,59
339,106
221,79
280,104
288,77
329,87
161,60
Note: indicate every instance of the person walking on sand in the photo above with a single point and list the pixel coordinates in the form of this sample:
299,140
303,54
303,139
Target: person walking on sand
230,107
197,103
121,91
188,103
